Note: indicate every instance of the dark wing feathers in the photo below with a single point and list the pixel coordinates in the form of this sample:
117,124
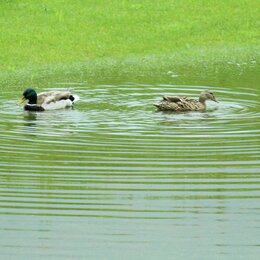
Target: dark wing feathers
172,98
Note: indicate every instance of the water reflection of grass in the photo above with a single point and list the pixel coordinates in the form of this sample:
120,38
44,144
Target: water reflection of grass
45,40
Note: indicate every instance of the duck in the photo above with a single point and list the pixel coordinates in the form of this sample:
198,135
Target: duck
184,104
49,100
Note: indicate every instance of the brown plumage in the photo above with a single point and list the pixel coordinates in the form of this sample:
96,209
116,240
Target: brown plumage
182,104
52,96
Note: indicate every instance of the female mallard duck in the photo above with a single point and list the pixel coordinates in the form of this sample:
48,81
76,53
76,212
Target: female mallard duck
47,100
178,104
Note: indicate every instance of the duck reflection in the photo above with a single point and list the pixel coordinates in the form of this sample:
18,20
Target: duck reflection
30,119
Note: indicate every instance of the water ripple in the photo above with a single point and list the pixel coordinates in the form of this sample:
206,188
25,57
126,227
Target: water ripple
114,157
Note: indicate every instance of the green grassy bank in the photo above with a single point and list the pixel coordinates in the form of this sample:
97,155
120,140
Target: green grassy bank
44,38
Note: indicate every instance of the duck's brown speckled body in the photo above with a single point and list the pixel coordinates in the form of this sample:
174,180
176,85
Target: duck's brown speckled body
183,104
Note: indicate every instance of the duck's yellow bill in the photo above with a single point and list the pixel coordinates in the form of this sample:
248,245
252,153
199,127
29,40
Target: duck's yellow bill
22,100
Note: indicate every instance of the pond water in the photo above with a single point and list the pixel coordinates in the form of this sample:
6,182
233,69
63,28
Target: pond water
114,179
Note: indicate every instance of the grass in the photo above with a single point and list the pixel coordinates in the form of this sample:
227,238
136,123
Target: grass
43,38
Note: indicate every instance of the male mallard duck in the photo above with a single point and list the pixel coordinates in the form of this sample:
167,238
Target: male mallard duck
178,104
47,100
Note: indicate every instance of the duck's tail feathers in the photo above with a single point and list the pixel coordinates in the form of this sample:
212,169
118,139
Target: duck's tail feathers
75,98
157,105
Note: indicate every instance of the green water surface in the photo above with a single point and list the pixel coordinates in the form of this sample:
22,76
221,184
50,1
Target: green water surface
114,179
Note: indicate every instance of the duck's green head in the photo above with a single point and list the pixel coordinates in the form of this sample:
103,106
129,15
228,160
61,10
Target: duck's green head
29,94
